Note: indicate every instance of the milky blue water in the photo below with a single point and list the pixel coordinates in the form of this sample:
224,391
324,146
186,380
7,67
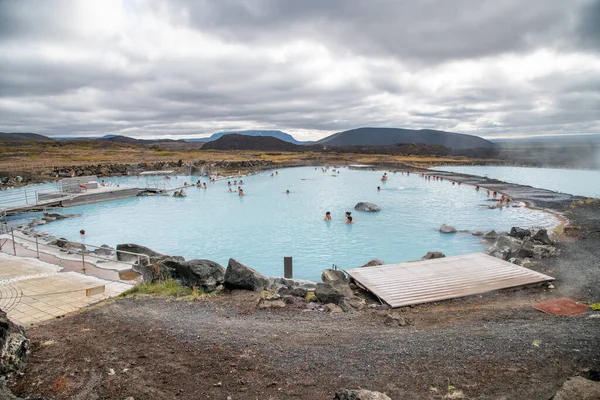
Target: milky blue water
267,224
571,181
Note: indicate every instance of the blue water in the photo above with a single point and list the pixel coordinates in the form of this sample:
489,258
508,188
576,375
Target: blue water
571,181
267,224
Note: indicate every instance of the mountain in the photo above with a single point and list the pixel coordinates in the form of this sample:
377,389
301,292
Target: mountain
24,137
392,136
286,137
128,140
234,141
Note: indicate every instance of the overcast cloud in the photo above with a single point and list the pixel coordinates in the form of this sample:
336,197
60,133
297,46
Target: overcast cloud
184,68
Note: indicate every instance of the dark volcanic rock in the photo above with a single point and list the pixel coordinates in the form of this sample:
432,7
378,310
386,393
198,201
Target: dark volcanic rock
447,229
433,254
154,256
578,388
14,346
332,292
333,275
367,207
519,233
374,262
204,274
240,276
491,235
541,235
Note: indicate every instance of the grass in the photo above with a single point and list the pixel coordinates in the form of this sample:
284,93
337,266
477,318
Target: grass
595,306
164,288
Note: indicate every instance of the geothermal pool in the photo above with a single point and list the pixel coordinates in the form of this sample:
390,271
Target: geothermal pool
267,224
572,181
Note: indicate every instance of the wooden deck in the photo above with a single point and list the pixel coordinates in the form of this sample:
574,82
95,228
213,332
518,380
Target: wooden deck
443,278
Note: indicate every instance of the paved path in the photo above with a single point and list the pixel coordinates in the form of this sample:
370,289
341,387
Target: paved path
32,291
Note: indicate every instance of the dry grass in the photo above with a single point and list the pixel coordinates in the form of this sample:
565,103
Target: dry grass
38,157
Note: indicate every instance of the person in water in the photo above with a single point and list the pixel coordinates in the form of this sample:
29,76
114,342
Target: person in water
327,216
287,192
240,192
347,213
349,220
378,188
82,232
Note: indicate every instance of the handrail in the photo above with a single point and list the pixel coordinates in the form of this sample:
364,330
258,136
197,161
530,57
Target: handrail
84,254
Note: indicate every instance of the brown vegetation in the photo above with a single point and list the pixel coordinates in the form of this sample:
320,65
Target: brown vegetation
39,158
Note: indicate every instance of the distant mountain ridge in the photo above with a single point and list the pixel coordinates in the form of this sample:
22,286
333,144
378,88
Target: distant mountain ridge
235,141
393,136
286,137
375,137
24,137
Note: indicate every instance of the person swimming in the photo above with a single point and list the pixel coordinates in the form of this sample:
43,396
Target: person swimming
378,188
349,220
347,214
287,192
240,192
82,232
327,216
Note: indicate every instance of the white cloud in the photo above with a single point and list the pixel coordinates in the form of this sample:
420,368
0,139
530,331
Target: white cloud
156,68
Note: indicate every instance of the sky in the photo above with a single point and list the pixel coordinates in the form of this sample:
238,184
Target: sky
180,69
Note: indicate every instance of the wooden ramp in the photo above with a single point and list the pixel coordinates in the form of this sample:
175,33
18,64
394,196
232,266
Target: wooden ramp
443,278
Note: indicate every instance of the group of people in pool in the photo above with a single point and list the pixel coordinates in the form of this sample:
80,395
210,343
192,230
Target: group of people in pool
503,201
348,217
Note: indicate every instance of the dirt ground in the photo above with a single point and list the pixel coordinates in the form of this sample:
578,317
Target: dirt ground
488,347
493,346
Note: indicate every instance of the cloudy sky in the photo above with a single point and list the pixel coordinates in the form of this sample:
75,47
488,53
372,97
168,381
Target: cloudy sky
173,68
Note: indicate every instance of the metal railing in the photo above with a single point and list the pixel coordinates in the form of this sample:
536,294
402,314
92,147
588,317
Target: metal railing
50,251
26,195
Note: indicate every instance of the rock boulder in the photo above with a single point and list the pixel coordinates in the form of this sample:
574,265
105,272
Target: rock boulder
578,388
240,276
447,229
347,394
203,274
541,235
367,207
153,255
374,262
14,347
491,235
333,275
519,233
433,254
332,292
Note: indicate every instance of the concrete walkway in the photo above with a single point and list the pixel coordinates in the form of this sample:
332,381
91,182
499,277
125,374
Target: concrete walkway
32,291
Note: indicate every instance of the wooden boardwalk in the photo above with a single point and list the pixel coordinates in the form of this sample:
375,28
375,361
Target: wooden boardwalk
443,278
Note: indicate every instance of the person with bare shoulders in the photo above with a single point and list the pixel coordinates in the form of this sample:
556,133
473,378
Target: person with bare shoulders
349,220
240,192
327,216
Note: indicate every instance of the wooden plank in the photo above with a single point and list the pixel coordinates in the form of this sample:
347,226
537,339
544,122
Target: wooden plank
443,278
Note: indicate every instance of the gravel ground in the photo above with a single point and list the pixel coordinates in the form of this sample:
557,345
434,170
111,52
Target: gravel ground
151,348
494,346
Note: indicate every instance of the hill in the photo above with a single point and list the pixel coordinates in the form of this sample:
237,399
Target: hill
393,136
24,137
128,140
286,137
235,141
